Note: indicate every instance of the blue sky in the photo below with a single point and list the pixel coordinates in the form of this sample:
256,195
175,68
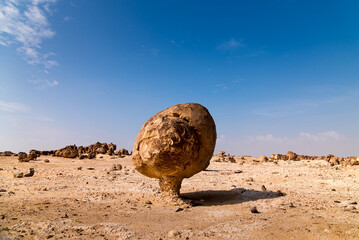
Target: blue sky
275,75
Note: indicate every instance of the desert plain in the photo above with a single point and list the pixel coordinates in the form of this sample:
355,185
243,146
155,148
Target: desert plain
106,198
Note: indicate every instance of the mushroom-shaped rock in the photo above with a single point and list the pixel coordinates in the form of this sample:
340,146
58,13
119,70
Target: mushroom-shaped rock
174,144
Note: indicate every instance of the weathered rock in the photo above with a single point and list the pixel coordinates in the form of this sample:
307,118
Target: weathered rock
174,144
291,155
263,158
35,153
67,152
18,175
30,173
116,167
23,157
7,154
221,153
122,152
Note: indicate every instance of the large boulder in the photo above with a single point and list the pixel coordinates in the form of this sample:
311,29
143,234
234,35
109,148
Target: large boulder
174,144
35,153
23,157
67,152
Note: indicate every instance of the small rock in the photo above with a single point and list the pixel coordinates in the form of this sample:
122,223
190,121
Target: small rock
350,208
18,175
2,190
254,210
148,202
174,233
116,167
2,216
90,168
279,193
291,205
30,173
179,209
250,179
46,160
336,201
264,189
79,168
238,171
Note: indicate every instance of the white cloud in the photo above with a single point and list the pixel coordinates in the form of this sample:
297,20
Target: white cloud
322,136
67,18
12,107
231,44
267,138
41,84
24,23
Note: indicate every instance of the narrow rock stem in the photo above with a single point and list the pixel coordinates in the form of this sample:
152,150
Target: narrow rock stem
170,186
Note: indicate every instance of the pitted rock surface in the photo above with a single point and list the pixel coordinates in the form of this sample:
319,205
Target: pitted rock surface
176,143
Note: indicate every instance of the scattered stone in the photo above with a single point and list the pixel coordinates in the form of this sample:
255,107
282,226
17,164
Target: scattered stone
250,179
238,171
179,209
279,193
30,173
46,160
148,202
336,201
90,168
264,189
2,216
263,158
116,167
79,168
174,233
254,210
2,190
18,175
291,155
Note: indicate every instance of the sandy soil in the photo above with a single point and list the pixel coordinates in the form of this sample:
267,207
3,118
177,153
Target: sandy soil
63,202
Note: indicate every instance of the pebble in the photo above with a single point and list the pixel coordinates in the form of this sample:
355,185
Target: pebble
2,190
148,202
174,233
264,189
30,173
79,168
18,175
279,193
250,179
254,210
90,168
179,209
46,160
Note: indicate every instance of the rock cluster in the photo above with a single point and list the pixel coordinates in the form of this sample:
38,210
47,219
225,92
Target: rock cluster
90,151
71,151
24,157
7,154
223,157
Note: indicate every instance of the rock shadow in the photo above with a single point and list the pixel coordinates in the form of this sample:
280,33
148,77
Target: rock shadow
229,197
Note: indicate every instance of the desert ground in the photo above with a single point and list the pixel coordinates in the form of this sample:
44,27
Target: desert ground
89,199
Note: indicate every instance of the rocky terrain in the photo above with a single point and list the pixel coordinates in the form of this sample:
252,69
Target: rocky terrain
52,197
